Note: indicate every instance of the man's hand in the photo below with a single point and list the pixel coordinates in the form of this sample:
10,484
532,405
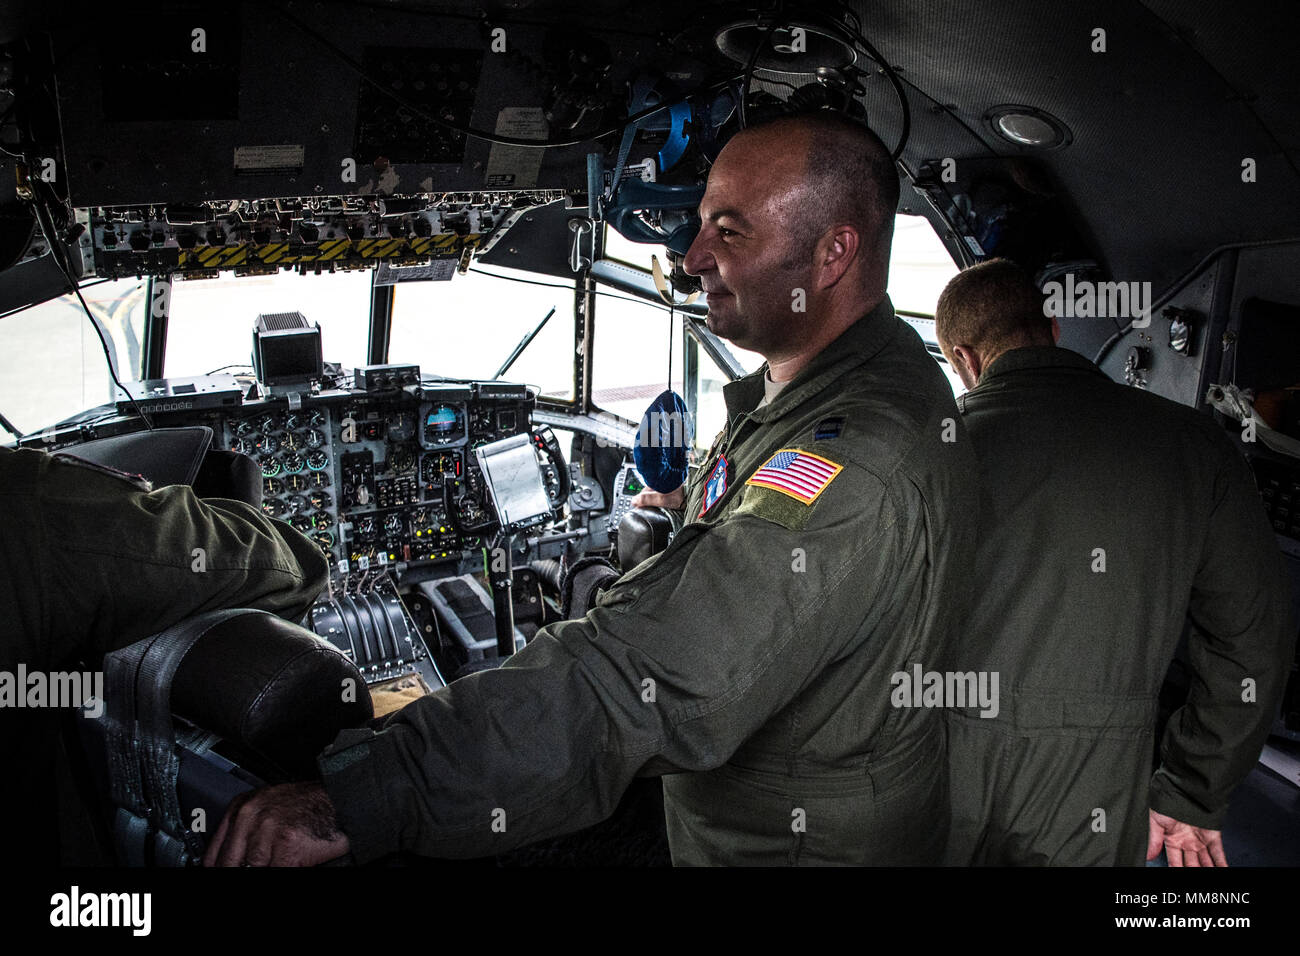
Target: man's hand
288,825
674,500
1184,845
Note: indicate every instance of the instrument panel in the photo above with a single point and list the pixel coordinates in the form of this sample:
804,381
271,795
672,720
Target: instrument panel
379,479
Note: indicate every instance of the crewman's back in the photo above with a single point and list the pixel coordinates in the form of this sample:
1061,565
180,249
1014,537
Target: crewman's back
1108,515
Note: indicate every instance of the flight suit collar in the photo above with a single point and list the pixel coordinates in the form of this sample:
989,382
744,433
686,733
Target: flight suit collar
1039,356
857,344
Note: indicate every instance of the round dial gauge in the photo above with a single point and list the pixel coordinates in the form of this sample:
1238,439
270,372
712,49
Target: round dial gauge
269,423
315,438
366,527
296,482
297,504
270,467
317,460
274,507
293,441
319,499
293,420
443,424
322,520
324,540
267,445
320,479
244,427
293,462
316,418
393,524
301,523
272,487
241,446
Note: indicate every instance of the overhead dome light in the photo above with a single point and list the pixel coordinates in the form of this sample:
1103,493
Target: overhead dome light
821,43
1026,126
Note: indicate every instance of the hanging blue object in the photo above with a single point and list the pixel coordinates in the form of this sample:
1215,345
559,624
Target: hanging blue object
662,441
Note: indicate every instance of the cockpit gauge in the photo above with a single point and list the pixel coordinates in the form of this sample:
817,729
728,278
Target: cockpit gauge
402,461
315,437
366,527
320,479
301,523
244,427
393,524
322,520
267,445
270,423
320,499
317,460
443,424
241,446
293,421
324,540
271,467
272,487
293,463
297,504
297,482
274,507
293,441
316,419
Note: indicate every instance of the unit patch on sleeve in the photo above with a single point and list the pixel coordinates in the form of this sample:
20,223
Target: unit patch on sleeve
716,487
800,474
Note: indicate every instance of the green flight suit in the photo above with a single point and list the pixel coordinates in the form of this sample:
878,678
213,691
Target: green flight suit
1109,516
93,561
750,662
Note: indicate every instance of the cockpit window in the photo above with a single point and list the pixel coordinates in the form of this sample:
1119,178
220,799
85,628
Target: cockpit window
211,320
635,254
468,326
51,361
919,265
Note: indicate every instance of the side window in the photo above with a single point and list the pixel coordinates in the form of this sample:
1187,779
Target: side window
636,353
51,362
919,266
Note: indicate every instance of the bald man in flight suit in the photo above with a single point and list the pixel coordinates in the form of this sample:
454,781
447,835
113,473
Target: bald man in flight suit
1111,518
750,663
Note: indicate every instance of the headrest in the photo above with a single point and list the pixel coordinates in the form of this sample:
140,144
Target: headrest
164,456
271,687
643,532
228,474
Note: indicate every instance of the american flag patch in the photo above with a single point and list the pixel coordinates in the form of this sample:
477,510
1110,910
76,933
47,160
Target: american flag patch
799,474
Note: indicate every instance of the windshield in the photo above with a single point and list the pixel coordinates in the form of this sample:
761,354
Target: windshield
468,326
51,361
211,322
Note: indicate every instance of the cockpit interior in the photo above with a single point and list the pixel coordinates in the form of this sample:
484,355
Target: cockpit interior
407,276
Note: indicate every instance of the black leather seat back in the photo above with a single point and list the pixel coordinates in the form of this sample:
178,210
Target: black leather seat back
273,688
228,474
178,456
164,456
643,533
265,695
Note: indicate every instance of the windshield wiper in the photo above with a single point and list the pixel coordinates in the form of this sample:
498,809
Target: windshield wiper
523,344
8,426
